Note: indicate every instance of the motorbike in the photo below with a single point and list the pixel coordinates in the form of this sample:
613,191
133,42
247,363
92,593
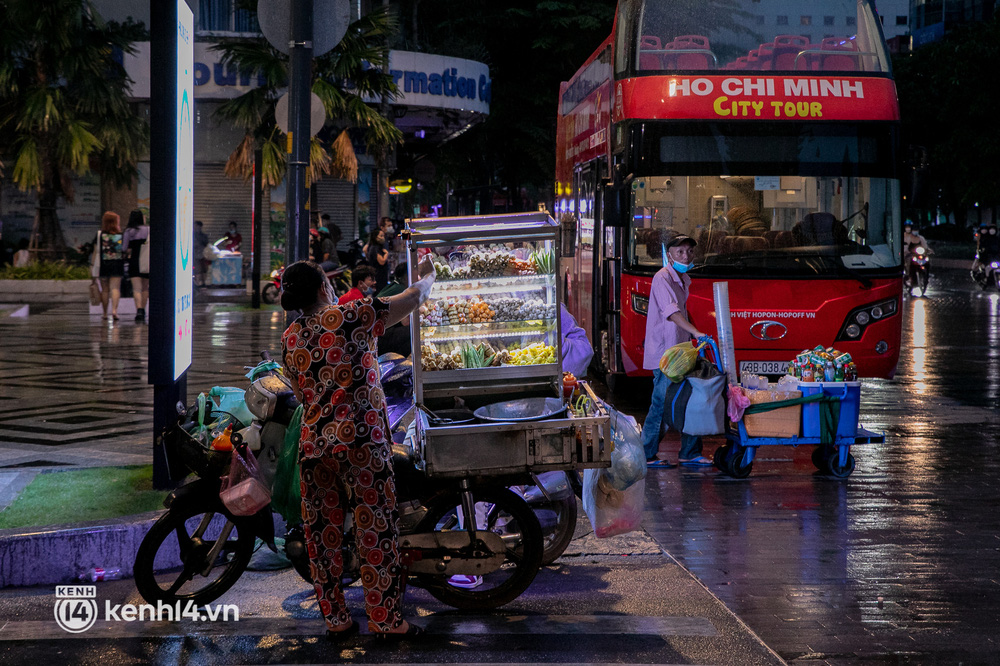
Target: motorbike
917,270
198,549
340,278
987,272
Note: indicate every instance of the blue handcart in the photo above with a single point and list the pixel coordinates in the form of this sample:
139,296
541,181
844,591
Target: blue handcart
829,422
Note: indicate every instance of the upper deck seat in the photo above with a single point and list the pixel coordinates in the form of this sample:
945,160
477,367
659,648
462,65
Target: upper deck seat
650,60
753,60
686,59
765,54
786,49
838,63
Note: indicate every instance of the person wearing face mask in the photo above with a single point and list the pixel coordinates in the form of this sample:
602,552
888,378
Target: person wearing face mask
911,241
667,325
363,281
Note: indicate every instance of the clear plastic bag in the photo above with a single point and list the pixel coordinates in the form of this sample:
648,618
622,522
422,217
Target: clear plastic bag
611,511
243,491
628,460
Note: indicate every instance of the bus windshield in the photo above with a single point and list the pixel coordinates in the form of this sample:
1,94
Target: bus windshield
699,35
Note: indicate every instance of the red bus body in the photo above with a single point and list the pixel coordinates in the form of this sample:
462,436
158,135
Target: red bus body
784,174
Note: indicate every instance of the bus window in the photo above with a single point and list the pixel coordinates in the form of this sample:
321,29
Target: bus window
775,225
693,35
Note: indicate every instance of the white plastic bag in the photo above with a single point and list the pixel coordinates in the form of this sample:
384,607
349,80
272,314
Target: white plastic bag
628,460
611,511
243,490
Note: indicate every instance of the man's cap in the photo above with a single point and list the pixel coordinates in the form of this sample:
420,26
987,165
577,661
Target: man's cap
678,239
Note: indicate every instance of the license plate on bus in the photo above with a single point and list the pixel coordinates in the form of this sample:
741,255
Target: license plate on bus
764,367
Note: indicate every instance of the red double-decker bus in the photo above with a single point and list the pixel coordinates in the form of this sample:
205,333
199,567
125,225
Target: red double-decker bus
776,152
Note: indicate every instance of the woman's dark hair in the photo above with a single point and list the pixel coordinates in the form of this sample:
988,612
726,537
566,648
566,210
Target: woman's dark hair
135,219
373,238
299,284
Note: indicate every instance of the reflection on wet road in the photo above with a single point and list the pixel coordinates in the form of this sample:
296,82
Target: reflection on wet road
897,564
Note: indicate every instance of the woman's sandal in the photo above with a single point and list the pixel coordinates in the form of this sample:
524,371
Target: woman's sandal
352,630
411,631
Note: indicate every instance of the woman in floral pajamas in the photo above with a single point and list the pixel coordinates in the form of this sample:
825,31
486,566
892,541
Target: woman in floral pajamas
345,451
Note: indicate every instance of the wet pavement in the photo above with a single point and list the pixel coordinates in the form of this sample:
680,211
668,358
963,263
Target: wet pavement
899,563
896,565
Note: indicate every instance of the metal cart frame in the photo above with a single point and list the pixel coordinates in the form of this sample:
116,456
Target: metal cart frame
496,449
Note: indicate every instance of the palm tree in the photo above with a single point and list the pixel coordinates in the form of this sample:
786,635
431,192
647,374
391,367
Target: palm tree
64,104
343,79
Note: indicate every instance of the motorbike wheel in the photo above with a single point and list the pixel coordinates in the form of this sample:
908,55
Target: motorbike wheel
922,279
558,520
511,518
270,294
194,533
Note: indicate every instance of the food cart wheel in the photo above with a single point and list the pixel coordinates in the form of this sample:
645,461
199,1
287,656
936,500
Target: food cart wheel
735,463
719,458
834,467
507,515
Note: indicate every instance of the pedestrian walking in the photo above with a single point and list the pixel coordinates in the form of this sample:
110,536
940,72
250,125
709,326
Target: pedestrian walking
667,325
110,263
135,237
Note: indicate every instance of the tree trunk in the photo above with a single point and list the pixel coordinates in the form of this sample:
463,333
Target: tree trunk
48,233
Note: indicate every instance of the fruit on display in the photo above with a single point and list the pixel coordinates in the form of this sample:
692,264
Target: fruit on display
534,354
544,261
467,355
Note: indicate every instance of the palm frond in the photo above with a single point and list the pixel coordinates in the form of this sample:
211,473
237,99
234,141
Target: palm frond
27,166
75,144
240,162
319,161
345,162
273,163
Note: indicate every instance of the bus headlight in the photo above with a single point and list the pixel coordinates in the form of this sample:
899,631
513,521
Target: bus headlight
640,303
860,318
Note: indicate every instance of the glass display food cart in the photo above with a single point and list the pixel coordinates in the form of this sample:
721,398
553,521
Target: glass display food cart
489,338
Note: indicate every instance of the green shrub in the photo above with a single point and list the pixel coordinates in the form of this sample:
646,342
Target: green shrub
46,270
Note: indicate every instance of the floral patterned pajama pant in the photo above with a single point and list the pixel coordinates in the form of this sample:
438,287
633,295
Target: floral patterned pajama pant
361,478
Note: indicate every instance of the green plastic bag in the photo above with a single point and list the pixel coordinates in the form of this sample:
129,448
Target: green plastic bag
679,360
286,496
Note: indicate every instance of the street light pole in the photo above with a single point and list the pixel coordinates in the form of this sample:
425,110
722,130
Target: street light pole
300,77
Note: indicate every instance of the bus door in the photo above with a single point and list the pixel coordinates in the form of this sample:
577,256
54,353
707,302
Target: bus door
585,188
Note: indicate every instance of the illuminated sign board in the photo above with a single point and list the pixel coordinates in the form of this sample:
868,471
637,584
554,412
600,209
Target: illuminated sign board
184,212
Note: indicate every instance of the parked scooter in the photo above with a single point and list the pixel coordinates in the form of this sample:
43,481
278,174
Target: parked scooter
198,549
340,278
918,270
